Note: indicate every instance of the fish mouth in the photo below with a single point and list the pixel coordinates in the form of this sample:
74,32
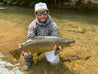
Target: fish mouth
72,44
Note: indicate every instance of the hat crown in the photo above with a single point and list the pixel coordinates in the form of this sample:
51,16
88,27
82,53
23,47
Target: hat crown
40,6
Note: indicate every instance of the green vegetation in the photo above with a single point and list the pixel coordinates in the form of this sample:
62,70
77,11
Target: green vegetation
88,5
26,3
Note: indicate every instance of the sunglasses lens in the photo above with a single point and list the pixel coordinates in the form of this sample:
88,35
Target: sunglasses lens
45,12
39,13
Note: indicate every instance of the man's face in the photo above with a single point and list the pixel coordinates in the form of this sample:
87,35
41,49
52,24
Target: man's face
42,15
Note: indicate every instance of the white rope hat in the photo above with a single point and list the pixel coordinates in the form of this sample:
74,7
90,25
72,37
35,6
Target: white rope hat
40,6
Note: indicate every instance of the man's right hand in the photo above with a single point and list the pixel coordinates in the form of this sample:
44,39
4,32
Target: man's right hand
24,53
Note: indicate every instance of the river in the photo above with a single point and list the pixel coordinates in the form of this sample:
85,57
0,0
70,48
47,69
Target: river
81,27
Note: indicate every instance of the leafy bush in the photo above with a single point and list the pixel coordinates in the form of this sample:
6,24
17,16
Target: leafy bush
90,6
8,1
23,2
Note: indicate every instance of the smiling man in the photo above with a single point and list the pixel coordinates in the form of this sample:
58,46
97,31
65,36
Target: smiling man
43,25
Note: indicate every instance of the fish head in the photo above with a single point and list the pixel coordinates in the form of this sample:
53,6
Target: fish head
69,43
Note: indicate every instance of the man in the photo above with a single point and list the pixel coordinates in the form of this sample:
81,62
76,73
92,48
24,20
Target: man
43,25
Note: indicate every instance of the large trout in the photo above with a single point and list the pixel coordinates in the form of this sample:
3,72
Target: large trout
42,44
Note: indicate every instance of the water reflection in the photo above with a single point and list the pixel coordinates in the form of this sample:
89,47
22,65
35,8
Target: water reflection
4,64
2,7
15,70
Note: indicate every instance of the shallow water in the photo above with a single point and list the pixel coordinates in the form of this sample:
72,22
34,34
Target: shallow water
13,31
5,64
81,58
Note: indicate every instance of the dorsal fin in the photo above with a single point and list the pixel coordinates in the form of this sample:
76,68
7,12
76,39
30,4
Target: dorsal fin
35,39
38,37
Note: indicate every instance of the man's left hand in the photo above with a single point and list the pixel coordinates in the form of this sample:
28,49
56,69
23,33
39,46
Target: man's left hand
55,47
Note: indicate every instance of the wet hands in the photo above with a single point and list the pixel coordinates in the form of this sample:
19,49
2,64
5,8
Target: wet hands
29,53
25,53
55,47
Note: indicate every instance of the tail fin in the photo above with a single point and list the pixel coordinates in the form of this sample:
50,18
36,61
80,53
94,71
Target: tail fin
15,54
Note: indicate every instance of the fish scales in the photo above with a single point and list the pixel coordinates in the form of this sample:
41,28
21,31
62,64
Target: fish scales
42,44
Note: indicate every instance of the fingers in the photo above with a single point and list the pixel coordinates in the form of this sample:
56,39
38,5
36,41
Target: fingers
64,48
29,53
54,48
20,46
22,52
26,53
61,48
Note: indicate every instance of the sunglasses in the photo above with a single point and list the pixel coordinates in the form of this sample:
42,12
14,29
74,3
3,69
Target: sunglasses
40,13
